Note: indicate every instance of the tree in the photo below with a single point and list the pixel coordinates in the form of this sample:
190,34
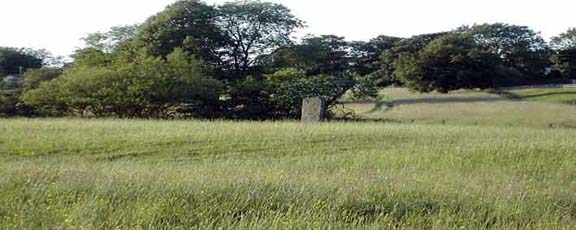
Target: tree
384,75
186,24
319,66
108,41
149,87
565,41
449,63
518,46
326,54
252,29
366,55
16,61
92,57
34,77
565,56
290,85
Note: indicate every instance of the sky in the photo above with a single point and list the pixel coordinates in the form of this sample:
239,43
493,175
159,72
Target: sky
59,25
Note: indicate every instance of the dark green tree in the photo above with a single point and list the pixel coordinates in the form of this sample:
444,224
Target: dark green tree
518,46
186,24
564,41
367,54
34,77
384,75
18,60
253,29
319,66
149,87
565,57
452,62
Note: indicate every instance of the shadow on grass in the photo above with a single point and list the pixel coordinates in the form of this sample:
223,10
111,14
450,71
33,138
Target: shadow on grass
514,96
447,100
387,105
553,94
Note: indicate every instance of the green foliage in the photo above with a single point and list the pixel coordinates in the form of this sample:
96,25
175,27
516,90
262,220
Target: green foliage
449,63
8,103
319,66
289,86
367,54
565,57
186,24
566,40
34,77
326,54
518,47
47,98
91,57
107,42
15,61
249,99
148,87
480,56
252,29
384,74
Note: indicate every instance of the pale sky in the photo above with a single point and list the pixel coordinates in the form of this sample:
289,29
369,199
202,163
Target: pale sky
58,25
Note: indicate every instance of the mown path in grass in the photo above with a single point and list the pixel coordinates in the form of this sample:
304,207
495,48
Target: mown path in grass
183,174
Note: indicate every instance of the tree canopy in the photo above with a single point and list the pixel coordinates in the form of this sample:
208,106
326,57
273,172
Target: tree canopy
17,60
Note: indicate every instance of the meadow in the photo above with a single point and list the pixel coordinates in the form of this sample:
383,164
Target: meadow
405,170
537,108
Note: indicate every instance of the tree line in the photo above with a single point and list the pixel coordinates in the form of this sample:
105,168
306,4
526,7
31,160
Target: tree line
238,60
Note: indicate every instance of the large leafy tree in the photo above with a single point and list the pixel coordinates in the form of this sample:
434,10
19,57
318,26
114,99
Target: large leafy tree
517,46
367,54
34,77
452,62
326,54
384,75
17,60
565,57
253,29
108,41
151,87
319,66
229,36
566,40
187,24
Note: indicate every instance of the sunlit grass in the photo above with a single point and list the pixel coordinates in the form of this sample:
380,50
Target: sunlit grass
559,95
473,108
183,174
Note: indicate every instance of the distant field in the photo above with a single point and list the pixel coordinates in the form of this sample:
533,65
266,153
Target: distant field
562,95
528,108
121,174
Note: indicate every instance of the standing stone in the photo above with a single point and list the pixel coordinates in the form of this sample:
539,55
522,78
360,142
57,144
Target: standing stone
313,109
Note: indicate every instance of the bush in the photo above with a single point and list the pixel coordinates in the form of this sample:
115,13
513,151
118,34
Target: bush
147,88
290,85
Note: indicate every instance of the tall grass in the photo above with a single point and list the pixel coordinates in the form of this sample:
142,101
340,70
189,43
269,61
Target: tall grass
118,174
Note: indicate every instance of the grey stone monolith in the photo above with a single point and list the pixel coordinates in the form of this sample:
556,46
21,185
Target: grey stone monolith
313,109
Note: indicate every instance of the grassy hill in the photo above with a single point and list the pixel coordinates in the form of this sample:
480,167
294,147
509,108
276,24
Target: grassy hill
135,174
527,108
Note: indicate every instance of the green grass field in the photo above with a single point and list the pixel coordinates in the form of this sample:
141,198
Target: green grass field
161,174
564,96
425,174
538,108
